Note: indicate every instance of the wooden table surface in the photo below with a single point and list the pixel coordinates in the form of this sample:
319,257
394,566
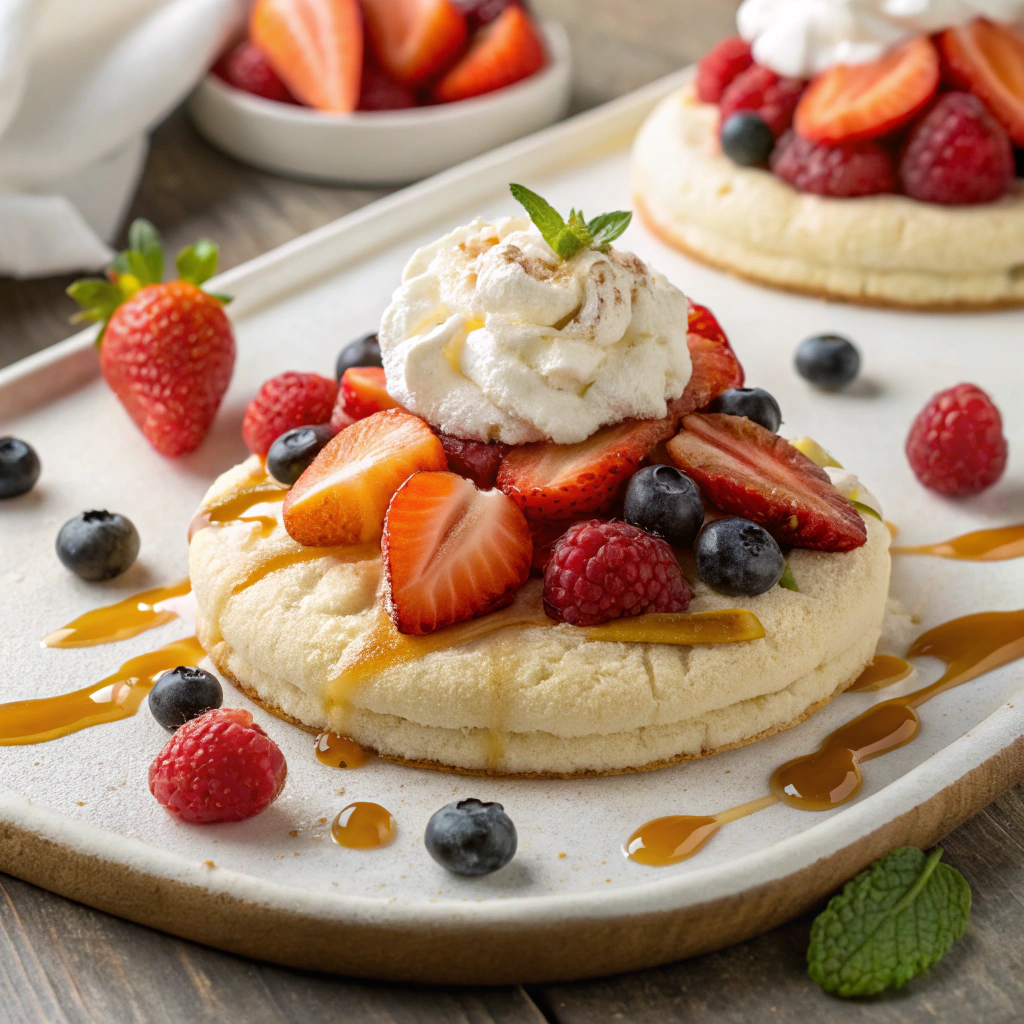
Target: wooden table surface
62,962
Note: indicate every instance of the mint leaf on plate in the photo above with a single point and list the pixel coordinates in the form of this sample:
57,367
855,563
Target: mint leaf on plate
567,238
891,923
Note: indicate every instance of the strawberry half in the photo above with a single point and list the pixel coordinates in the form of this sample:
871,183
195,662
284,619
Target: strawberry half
988,60
865,101
474,460
451,552
567,481
414,40
506,51
343,496
364,391
749,471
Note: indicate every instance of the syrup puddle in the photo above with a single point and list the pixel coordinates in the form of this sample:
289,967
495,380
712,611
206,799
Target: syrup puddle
119,621
340,752
363,826
883,670
118,696
996,545
970,646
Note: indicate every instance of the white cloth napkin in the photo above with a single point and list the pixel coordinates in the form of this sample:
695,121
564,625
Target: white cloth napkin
81,84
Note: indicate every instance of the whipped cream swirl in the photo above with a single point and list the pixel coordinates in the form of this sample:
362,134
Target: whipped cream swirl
801,38
493,337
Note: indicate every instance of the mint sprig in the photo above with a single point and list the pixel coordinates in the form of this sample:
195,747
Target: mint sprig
567,237
891,923
141,264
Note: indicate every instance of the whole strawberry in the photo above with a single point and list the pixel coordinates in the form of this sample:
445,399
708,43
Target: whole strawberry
166,349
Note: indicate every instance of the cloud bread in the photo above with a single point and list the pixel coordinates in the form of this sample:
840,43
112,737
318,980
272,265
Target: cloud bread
526,700
883,250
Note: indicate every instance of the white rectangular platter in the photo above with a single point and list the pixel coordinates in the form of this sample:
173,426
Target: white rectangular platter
76,815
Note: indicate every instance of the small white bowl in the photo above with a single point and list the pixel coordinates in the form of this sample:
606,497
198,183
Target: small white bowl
387,147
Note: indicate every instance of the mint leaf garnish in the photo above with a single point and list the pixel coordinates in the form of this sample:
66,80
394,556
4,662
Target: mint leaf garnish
567,238
788,580
889,924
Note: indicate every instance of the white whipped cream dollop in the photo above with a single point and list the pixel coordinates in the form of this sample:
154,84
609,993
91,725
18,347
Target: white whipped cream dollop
801,38
493,337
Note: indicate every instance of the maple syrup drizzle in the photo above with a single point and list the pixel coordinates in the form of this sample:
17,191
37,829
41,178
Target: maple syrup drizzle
119,621
669,840
233,510
997,545
363,826
340,752
348,553
882,671
970,646
118,696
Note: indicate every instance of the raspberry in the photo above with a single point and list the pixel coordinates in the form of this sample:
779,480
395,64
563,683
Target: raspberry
218,767
956,445
731,57
957,154
602,570
246,67
290,400
846,169
760,89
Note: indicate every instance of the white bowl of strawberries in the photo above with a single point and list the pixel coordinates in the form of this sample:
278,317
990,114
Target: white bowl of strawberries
382,91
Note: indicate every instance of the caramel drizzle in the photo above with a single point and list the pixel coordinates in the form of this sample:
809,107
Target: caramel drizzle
997,545
117,696
233,510
883,670
121,620
970,646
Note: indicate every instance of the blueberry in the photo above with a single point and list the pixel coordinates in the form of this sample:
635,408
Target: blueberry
471,838
754,403
184,693
98,545
19,467
828,360
738,557
746,139
362,352
666,503
294,450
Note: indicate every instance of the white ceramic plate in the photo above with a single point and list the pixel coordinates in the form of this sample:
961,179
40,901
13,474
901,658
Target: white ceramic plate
76,815
381,147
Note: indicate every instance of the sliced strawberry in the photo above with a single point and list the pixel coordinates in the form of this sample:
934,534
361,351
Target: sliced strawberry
749,471
506,51
343,495
715,367
988,60
563,481
414,40
315,46
364,391
474,460
451,552
864,101
381,92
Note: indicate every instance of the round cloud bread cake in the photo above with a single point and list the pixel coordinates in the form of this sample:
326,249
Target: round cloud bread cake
883,250
536,700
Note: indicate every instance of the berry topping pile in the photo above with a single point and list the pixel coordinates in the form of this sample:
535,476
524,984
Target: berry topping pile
936,119
220,766
956,445
602,570
283,403
345,55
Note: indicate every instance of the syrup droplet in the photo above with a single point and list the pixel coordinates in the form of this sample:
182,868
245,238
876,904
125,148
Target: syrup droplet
363,826
669,840
340,752
884,670
233,510
995,545
119,621
118,696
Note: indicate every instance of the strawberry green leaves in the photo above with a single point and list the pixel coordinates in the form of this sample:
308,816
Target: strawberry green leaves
140,265
566,238
889,924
